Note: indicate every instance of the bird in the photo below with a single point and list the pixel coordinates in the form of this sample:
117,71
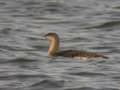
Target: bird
77,54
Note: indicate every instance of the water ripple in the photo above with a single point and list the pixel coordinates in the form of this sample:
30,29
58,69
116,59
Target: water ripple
90,25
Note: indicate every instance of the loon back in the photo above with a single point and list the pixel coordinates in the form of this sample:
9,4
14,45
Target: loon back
79,54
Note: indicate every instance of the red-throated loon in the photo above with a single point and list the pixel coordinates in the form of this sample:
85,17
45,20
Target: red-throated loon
54,50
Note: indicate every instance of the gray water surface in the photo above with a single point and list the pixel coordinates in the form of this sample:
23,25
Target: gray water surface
90,25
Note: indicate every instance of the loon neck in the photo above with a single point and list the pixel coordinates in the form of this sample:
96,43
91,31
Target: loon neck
54,46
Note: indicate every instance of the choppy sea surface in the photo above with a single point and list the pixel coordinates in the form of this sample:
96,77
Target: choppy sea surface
90,25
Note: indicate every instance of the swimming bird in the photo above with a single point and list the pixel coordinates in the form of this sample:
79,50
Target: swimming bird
54,50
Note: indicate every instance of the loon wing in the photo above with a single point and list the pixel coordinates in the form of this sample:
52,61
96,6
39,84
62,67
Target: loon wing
77,53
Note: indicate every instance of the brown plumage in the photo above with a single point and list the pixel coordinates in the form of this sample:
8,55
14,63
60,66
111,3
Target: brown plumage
77,53
54,50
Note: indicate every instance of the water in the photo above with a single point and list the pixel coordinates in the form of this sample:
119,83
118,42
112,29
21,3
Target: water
90,25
